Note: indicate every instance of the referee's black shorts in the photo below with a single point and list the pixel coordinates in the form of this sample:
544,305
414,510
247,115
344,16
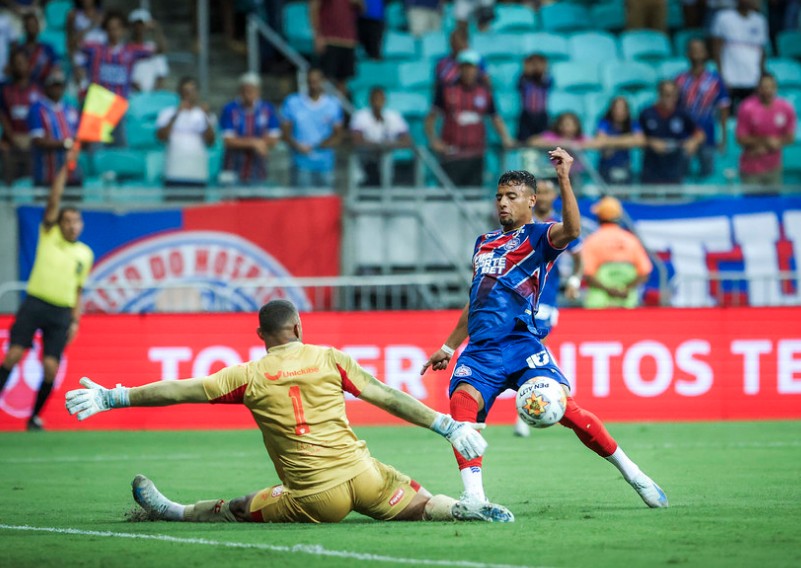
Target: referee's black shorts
54,321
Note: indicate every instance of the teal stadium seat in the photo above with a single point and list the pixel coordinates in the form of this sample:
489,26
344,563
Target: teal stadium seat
638,102
409,104
792,164
434,45
608,15
671,68
504,75
141,134
147,106
56,12
395,16
508,106
57,39
595,47
154,166
564,17
126,165
371,73
416,74
399,46
595,106
789,44
560,101
629,76
786,71
498,46
576,76
297,27
645,45
681,37
513,18
553,46
793,96
675,16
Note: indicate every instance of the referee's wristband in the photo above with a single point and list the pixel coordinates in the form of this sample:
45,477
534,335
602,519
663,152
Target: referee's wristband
447,350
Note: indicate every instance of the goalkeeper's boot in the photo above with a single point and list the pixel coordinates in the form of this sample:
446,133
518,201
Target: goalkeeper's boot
150,498
522,429
469,509
650,492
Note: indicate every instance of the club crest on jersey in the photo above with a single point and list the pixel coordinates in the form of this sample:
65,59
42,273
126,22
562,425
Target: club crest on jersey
147,275
538,359
513,244
277,490
463,371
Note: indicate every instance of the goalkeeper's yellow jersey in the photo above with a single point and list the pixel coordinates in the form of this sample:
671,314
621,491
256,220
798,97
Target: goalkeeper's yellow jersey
296,394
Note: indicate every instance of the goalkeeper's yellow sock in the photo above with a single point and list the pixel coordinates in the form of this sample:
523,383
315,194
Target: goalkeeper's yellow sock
218,511
439,508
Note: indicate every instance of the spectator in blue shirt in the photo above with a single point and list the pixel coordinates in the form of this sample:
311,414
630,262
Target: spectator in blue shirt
533,85
250,129
671,137
312,126
370,27
617,134
704,97
42,56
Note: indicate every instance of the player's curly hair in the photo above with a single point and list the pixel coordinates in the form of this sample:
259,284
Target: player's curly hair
516,177
275,315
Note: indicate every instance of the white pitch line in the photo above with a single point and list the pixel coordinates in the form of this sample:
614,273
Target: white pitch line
128,457
312,549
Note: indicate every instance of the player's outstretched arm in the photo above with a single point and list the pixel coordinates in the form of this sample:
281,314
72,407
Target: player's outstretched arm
441,357
94,398
462,435
562,234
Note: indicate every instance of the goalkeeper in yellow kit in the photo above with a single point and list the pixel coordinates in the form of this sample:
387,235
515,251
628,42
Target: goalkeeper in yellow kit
296,393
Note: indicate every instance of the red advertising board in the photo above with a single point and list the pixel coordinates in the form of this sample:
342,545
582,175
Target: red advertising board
650,364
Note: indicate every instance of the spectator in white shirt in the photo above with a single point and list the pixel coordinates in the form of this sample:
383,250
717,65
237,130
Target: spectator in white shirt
375,130
739,38
148,74
188,130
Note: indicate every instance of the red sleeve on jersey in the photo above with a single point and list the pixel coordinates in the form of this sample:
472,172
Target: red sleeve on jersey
236,396
347,385
554,247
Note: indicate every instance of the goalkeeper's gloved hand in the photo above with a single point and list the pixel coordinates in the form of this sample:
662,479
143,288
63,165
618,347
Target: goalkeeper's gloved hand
463,436
94,399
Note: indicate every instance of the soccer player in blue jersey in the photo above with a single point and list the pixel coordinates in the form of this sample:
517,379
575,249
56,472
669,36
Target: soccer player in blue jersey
548,313
510,267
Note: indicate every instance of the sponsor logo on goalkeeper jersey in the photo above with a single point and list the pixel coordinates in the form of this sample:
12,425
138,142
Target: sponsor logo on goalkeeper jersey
287,374
396,497
189,271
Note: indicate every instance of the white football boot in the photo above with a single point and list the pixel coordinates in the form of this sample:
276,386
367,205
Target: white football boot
650,492
471,509
522,429
150,498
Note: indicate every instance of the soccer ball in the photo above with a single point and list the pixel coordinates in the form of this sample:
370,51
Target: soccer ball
541,402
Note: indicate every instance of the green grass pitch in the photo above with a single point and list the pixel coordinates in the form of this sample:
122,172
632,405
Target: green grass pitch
734,489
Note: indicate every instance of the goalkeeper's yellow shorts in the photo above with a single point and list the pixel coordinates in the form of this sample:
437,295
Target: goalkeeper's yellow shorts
380,492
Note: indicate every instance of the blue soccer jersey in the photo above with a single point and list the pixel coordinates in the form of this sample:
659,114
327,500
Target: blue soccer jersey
509,273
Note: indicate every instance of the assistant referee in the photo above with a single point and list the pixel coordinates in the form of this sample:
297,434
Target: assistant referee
52,304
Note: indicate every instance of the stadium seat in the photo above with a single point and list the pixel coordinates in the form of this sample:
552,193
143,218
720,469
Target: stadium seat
297,27
147,106
434,46
671,68
640,101
598,47
560,101
140,133
399,45
504,75
553,46
498,46
56,12
681,38
508,105
154,166
564,17
409,104
644,45
628,76
675,16
125,165
608,16
595,106
370,73
513,17
786,71
576,76
395,16
416,74
791,162
789,43
55,38
793,96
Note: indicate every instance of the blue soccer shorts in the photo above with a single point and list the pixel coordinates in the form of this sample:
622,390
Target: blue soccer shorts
491,367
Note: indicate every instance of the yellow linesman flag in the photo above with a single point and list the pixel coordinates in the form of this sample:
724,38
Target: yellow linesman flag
102,111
